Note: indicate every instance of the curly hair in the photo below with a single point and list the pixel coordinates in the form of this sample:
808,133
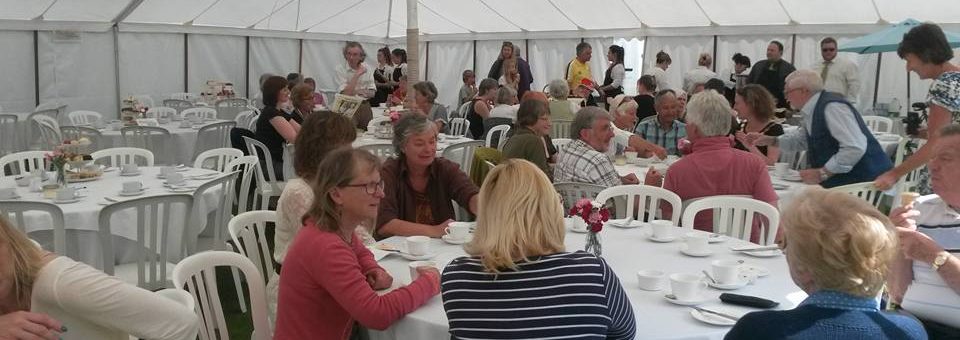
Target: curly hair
759,99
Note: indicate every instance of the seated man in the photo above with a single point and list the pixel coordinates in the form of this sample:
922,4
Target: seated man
664,130
583,160
714,167
623,111
925,279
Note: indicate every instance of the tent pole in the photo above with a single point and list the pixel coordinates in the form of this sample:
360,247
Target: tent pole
246,57
36,66
116,66
186,62
876,80
714,63
413,46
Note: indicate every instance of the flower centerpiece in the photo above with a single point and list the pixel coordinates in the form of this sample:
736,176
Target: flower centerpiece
72,155
594,217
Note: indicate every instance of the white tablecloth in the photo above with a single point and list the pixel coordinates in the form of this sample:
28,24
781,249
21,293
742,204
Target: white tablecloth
442,143
181,147
81,219
627,251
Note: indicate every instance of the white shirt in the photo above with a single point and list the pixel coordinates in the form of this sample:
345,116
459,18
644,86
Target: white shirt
505,111
698,75
617,74
843,127
344,73
843,77
928,296
660,75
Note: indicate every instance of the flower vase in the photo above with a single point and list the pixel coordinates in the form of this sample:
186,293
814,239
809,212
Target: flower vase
62,176
593,244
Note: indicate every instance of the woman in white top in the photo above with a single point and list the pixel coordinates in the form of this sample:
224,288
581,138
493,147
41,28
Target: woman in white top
382,76
613,78
399,59
504,105
45,296
659,71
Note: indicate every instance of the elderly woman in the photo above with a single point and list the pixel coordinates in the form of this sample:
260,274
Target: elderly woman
518,254
623,112
527,142
504,105
303,102
756,107
480,107
317,96
322,132
838,248
928,54
425,97
274,127
45,296
419,187
329,278
355,79
560,107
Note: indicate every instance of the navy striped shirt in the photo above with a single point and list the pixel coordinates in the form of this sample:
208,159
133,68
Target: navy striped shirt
559,296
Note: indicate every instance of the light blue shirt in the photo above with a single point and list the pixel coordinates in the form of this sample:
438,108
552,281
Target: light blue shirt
843,126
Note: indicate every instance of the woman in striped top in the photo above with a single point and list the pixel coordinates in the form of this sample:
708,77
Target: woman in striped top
520,283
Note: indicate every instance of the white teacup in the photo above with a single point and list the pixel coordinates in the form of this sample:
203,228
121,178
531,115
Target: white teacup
781,169
652,280
7,193
132,187
697,243
163,120
418,245
66,194
116,125
726,271
457,231
414,274
662,229
175,178
167,171
23,180
686,287
129,168
631,157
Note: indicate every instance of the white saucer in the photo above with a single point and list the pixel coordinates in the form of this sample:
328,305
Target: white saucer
662,240
75,200
134,193
711,318
182,189
451,240
620,224
729,286
412,257
683,249
711,238
108,169
703,299
792,178
763,253
128,174
754,269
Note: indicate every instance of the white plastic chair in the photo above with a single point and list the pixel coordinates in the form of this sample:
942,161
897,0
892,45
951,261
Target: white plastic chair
244,117
381,150
216,159
183,96
9,130
153,138
120,156
197,275
23,162
248,166
80,118
15,210
571,192
229,108
560,128
177,104
248,232
213,136
501,132
203,112
49,130
865,191
218,223
642,201
462,154
878,124
161,112
561,143
268,184
911,180
736,216
158,233
459,127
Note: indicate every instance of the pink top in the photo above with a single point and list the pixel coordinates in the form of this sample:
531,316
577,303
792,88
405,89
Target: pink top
323,289
715,167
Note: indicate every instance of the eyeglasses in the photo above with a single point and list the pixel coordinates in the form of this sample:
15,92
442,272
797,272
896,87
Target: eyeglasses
787,91
371,188
828,49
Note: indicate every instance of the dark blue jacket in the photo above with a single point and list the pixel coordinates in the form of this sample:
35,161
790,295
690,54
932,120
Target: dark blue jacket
821,146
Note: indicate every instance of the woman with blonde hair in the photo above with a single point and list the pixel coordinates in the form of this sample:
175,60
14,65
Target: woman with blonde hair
838,248
42,294
517,253
511,75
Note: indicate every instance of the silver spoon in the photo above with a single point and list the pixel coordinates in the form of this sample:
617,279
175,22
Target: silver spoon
709,277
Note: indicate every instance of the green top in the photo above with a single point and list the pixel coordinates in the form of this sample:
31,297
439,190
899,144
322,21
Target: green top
525,144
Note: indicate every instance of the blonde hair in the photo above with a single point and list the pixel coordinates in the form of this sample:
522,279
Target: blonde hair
843,242
513,224
337,169
25,258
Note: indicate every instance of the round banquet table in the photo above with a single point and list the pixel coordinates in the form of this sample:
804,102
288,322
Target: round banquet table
183,140
627,251
81,218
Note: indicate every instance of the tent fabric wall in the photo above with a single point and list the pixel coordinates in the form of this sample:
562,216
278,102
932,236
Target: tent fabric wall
17,91
549,58
151,64
215,57
683,51
80,73
321,58
271,55
448,59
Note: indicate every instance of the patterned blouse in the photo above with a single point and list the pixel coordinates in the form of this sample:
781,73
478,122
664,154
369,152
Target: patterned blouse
945,92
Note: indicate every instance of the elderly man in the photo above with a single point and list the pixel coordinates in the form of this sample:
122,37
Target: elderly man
772,73
624,113
583,160
926,278
664,130
579,68
839,74
714,167
840,148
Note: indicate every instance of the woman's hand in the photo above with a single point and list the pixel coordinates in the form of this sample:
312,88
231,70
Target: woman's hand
440,229
886,181
22,325
379,279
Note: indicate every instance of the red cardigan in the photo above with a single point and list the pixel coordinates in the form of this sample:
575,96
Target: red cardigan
323,289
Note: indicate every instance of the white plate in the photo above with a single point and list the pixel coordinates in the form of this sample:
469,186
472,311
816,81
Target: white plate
763,253
683,250
108,169
412,257
128,174
621,223
703,299
662,240
182,189
750,268
729,286
711,238
78,180
712,319
451,240
134,193
75,200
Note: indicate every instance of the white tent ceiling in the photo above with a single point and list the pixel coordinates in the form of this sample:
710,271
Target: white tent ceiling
476,19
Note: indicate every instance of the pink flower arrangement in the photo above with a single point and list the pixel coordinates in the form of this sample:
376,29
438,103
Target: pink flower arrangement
394,117
593,216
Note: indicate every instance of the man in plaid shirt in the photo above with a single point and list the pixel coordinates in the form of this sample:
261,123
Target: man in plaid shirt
664,130
583,160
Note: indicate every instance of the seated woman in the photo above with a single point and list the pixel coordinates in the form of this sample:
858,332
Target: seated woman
646,88
329,277
560,107
399,95
317,96
426,100
480,107
756,106
274,127
504,106
419,186
45,296
322,132
303,102
518,258
838,248
527,142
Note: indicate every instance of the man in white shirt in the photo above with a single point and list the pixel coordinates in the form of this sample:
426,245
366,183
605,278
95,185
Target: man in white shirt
700,74
925,278
839,74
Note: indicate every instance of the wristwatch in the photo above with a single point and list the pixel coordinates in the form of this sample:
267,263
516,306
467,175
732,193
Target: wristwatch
941,258
824,174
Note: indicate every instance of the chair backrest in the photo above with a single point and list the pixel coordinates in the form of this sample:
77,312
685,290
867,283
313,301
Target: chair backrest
864,190
459,127
177,104
14,211
911,180
736,216
229,108
197,274
381,150
560,143
84,117
267,173
642,202
796,159
560,128
571,192
249,234
186,96
879,124
243,118
153,138
159,231
461,111
501,132
462,153
144,99
9,130
77,132
161,112
23,162
213,136
49,130
226,185
249,166
216,159
204,112
120,156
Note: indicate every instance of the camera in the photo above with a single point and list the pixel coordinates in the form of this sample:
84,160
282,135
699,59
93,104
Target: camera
915,118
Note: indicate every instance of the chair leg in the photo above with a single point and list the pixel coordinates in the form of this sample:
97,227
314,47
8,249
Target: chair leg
236,283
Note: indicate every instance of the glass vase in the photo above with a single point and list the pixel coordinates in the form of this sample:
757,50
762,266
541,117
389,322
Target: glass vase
593,244
62,176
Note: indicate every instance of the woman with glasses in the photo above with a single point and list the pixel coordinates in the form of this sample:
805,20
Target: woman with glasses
329,279
420,187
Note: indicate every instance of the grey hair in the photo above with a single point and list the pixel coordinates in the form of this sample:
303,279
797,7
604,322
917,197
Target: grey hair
710,112
585,119
950,130
806,79
558,89
504,95
658,98
409,125
623,108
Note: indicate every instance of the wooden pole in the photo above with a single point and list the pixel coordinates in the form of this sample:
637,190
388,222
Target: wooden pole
413,50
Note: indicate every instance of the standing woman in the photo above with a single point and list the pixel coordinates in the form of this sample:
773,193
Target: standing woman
756,106
382,75
399,58
613,78
274,127
480,109
928,54
511,75
355,79
659,70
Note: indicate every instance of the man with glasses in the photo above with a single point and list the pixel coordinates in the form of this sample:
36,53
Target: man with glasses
839,74
840,149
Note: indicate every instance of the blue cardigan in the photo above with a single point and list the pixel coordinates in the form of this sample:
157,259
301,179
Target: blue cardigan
829,315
